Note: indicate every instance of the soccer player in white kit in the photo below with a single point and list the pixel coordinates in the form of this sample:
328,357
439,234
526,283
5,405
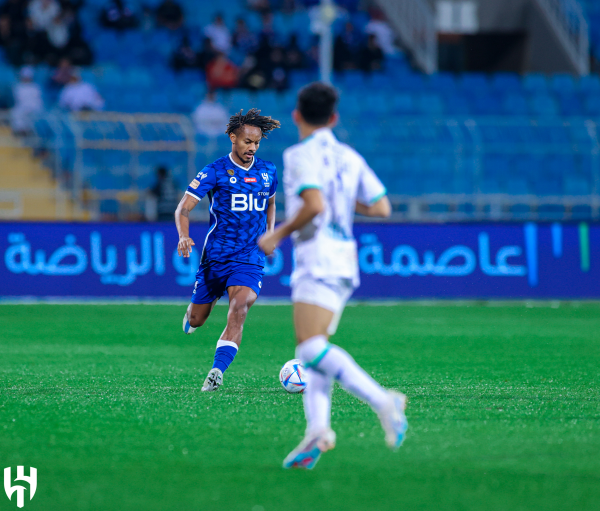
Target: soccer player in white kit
325,182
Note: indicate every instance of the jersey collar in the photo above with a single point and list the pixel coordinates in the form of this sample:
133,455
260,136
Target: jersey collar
324,132
237,165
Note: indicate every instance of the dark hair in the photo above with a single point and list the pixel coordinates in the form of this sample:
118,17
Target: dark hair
252,118
316,103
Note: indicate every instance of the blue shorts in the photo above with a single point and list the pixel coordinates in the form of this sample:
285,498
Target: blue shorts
213,278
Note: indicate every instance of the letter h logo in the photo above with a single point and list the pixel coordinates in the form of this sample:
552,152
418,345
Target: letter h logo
9,489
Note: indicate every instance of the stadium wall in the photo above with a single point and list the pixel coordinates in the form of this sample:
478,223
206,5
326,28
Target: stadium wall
397,261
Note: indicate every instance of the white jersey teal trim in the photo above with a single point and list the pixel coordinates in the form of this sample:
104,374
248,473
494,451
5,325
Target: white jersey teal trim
212,201
241,166
377,198
308,187
325,248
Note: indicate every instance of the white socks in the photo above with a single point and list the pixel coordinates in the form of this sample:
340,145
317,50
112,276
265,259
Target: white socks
325,362
317,401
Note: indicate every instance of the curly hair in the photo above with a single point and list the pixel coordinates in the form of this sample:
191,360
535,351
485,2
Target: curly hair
252,118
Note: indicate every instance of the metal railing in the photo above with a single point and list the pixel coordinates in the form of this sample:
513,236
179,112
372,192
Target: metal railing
570,25
78,150
414,22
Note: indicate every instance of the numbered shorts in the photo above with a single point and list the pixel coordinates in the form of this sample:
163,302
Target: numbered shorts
213,279
330,294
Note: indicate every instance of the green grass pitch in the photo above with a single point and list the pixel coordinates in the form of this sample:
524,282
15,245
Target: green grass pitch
105,402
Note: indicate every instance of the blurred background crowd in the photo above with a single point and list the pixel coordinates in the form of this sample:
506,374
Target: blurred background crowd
467,109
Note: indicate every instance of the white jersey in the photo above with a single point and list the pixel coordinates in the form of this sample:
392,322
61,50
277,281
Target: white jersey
325,248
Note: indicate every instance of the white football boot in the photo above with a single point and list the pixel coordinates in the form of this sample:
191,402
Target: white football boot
213,381
309,451
393,420
186,323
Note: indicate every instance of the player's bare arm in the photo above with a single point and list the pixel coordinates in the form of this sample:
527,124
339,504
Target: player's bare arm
382,208
271,210
182,221
313,205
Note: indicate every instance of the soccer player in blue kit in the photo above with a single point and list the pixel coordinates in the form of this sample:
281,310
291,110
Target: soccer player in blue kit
241,190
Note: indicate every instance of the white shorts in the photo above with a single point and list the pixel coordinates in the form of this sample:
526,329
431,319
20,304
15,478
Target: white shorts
330,294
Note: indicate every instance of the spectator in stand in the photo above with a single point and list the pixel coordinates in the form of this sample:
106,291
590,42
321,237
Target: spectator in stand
78,50
79,95
13,14
118,15
43,14
346,49
63,74
261,6
383,33
166,194
243,39
221,73
206,54
251,74
371,56
268,29
184,57
294,57
13,29
59,34
28,103
169,14
263,54
312,54
32,47
210,117
219,34
147,23
278,77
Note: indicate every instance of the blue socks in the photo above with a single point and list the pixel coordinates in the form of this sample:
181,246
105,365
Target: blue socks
226,351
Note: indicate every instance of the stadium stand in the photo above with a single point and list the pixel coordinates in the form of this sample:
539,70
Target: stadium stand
447,146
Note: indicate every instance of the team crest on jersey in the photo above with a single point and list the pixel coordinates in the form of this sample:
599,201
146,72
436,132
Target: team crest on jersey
231,172
265,176
195,184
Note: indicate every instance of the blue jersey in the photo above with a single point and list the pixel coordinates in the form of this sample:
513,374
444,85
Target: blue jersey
239,199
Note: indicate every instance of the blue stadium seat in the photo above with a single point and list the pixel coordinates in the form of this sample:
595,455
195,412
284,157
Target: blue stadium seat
577,185
543,104
474,83
535,83
430,104
570,105
458,104
486,104
515,104
551,211
403,103
442,82
589,84
517,186
563,84
581,212
506,82
547,186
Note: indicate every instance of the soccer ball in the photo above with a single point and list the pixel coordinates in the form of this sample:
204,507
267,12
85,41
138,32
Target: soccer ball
293,376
